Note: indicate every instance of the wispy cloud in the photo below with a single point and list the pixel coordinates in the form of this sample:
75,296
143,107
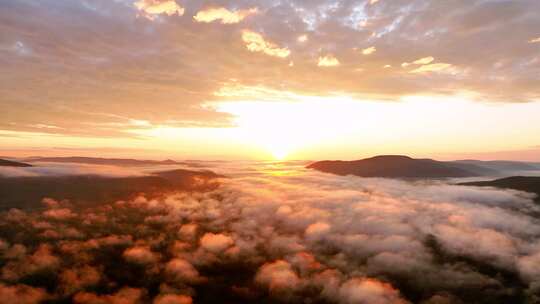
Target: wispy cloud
153,8
255,42
224,15
369,50
435,67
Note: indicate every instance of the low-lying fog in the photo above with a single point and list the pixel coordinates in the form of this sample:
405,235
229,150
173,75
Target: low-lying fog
275,232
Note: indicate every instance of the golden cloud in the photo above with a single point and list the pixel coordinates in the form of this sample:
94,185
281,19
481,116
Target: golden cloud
152,8
328,61
302,38
255,42
369,50
435,67
224,15
425,60
535,40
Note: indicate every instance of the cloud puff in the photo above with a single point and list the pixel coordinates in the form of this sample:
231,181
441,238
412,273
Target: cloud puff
153,8
124,295
216,242
366,291
317,229
173,299
278,276
72,280
302,38
328,61
535,40
59,214
22,294
255,42
224,15
179,270
41,261
369,50
140,255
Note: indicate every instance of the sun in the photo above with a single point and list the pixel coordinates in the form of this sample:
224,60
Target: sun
279,153
282,128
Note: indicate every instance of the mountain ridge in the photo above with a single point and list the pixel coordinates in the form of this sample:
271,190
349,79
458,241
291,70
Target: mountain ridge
9,163
103,161
402,166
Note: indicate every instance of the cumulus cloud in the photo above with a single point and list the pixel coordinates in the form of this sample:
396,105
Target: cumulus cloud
80,278
278,276
59,214
22,294
22,266
216,242
328,61
124,295
153,8
317,229
367,291
255,42
179,270
140,255
224,15
173,299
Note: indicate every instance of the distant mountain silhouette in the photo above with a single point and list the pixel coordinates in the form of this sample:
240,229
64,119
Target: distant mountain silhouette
9,163
398,166
522,183
27,192
103,161
501,165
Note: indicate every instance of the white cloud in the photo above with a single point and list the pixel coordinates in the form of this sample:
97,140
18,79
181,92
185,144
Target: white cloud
302,38
435,67
425,60
224,15
152,8
255,42
328,61
369,50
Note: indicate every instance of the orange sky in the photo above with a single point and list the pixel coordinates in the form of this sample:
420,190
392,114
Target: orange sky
262,80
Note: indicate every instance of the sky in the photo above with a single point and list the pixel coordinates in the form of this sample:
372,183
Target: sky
265,79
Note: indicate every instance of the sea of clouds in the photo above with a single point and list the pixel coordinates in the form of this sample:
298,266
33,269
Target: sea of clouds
279,233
